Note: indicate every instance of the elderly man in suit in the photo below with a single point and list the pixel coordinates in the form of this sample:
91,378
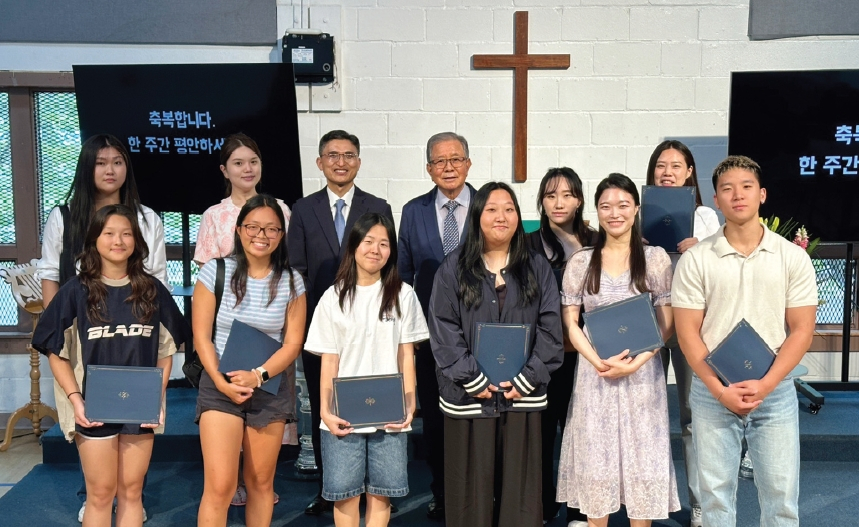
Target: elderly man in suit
319,225
432,225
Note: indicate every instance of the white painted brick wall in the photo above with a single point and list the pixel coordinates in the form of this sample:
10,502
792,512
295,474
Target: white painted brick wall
595,23
660,93
459,25
663,23
590,94
389,24
424,60
415,128
681,59
629,59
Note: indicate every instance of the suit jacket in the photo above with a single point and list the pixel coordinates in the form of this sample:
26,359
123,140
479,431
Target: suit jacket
420,248
312,241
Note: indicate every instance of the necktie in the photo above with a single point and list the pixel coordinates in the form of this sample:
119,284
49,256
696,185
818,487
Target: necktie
450,240
339,221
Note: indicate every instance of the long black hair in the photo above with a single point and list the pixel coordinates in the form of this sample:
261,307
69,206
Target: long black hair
583,233
81,197
691,181
279,257
470,268
143,289
347,275
637,264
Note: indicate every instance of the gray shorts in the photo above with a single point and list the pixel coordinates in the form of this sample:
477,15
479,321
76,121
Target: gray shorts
259,411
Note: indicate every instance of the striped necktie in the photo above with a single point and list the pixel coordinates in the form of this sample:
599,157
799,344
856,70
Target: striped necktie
450,240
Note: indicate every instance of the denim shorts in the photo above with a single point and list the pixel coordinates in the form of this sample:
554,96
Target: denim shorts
373,463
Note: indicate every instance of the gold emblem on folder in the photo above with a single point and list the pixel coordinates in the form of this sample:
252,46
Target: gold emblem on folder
369,401
666,220
124,395
501,359
748,364
622,329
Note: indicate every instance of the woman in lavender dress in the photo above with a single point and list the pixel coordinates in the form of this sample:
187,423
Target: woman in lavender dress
616,448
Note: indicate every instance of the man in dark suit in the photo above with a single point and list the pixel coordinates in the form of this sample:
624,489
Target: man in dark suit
320,223
432,225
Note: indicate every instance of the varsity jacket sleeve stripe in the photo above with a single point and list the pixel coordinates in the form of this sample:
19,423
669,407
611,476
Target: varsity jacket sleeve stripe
448,341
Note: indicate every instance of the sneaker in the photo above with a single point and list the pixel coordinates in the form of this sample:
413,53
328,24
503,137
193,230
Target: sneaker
577,523
81,512
695,517
747,471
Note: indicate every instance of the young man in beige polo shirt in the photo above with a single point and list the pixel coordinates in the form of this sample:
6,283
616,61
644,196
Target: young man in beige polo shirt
745,271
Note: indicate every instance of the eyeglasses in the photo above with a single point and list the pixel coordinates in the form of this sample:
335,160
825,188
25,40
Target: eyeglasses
254,230
455,162
333,157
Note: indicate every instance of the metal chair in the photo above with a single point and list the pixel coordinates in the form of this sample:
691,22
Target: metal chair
27,291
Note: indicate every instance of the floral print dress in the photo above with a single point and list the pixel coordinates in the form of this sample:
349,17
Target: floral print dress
616,447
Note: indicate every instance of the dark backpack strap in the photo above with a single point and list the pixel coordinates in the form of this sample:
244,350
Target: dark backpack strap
67,258
220,277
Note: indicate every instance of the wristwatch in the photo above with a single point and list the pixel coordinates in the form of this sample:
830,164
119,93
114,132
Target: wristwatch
263,373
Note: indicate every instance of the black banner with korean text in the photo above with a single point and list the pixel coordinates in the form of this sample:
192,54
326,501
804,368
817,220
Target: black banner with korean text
802,127
173,119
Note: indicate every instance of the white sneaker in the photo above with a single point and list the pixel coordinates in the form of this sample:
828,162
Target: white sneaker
81,512
695,516
577,523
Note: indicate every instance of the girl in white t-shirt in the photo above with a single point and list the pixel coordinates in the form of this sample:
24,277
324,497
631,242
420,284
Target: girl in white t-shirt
366,324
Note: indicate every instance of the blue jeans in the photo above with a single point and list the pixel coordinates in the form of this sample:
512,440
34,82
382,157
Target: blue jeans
772,433
356,463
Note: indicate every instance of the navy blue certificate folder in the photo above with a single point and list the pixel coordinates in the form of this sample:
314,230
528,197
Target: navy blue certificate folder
741,356
501,349
667,215
123,394
248,348
627,324
372,400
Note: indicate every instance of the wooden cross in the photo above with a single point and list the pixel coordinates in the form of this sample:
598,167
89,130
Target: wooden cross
520,61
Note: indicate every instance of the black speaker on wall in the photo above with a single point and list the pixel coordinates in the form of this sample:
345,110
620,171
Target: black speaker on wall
173,119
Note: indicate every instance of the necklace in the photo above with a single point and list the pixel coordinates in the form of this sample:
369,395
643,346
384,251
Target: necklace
263,275
109,278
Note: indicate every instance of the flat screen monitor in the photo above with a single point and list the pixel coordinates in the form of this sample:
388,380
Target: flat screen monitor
173,119
802,127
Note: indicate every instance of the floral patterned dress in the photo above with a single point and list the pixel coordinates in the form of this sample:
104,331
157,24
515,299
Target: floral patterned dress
616,447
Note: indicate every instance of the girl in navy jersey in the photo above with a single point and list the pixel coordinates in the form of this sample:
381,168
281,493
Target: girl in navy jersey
235,415
93,319
366,324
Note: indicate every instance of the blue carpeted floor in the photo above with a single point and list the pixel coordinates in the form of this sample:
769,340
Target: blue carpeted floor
46,496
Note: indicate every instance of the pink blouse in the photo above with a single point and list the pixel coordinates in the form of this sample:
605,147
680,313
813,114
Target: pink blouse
215,238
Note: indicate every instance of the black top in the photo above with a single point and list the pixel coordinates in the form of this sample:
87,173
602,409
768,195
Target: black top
121,341
452,333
